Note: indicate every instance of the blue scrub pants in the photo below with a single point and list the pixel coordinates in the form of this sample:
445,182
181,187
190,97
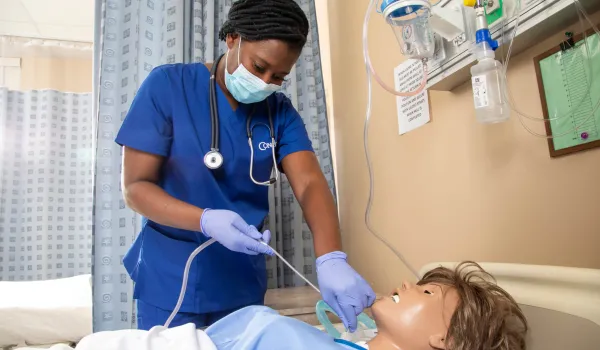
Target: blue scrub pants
149,316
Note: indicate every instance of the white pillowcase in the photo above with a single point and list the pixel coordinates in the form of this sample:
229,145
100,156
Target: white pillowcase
45,312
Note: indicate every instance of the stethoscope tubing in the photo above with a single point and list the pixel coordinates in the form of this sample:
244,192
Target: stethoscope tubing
214,121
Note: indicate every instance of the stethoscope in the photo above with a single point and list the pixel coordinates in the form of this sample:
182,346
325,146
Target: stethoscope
213,158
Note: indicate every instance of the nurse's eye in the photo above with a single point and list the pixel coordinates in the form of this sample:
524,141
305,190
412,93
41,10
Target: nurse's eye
258,68
278,79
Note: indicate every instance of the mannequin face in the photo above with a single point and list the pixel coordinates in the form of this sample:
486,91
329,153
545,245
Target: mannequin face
418,318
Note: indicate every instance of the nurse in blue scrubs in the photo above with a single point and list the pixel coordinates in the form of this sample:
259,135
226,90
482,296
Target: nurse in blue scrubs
190,176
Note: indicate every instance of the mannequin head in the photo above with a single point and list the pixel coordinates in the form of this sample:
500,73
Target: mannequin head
460,309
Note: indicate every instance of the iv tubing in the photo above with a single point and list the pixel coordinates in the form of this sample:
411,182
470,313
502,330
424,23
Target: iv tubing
580,11
371,70
186,272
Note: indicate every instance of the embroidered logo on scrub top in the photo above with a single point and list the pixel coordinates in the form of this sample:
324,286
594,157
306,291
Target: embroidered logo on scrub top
263,146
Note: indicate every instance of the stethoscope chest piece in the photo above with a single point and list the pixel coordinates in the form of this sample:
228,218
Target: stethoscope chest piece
213,159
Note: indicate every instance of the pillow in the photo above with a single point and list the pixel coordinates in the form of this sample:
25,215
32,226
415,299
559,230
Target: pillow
45,312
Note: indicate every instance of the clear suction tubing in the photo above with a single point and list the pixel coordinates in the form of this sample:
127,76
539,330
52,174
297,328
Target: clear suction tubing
188,265
556,115
409,20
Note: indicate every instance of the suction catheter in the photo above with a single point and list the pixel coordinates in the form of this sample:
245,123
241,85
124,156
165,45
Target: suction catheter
188,264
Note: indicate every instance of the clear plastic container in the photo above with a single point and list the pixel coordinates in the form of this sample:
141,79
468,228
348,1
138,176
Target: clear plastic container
409,19
488,84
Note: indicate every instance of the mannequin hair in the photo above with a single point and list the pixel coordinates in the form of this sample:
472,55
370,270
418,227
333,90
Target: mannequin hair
487,317
257,20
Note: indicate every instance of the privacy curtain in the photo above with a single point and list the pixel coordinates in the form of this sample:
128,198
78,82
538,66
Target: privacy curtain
133,37
46,187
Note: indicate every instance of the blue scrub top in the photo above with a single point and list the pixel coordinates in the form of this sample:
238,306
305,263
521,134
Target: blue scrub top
170,117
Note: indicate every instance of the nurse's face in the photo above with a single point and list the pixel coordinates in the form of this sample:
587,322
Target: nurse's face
270,60
416,317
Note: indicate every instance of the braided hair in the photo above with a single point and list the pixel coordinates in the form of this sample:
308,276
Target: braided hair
256,20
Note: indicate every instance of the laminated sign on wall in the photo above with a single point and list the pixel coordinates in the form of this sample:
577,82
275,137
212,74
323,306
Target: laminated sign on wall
413,111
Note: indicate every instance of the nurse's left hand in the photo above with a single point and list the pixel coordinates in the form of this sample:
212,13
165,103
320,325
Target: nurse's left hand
343,288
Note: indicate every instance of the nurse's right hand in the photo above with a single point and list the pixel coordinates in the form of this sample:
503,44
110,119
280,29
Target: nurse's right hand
229,229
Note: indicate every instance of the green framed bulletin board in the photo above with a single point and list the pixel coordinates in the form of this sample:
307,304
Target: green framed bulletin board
564,76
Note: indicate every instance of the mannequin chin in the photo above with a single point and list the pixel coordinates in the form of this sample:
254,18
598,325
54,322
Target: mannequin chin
457,309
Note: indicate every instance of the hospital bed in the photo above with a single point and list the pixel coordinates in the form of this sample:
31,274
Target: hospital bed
562,304
44,314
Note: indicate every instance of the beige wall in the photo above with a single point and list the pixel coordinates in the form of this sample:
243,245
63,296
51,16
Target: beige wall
454,189
58,73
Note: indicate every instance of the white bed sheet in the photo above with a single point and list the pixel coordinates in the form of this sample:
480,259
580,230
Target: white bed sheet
185,337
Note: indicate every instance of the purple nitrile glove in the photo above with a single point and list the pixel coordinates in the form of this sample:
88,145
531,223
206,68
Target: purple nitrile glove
343,289
229,229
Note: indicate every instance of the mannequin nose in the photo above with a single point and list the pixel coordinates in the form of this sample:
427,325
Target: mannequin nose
407,285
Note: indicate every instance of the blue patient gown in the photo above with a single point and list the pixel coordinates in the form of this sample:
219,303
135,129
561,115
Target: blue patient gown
262,328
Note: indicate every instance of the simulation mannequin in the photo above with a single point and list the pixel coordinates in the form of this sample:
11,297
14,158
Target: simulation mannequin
460,309
449,310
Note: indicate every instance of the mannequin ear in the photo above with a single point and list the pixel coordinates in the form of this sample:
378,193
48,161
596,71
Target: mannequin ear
437,341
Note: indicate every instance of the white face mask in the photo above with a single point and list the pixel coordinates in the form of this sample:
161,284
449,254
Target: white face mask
244,86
